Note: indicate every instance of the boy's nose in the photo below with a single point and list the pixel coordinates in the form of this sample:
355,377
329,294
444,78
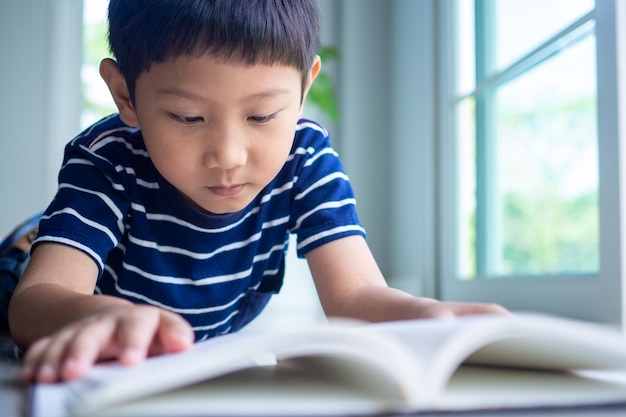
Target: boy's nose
225,150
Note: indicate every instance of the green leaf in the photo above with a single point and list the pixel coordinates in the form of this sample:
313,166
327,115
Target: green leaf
322,95
328,53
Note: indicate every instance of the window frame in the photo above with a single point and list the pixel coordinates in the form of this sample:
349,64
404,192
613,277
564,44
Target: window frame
598,297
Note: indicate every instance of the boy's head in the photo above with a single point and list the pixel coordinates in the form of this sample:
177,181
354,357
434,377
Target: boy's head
216,87
144,32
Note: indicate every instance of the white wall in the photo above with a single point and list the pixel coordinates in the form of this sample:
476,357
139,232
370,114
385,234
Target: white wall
385,134
39,102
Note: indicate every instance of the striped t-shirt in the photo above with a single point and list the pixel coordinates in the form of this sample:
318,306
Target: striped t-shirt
217,271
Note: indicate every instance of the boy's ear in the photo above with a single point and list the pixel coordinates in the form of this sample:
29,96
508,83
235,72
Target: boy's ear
315,70
110,73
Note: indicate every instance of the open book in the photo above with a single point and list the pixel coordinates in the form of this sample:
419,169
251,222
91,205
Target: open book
471,363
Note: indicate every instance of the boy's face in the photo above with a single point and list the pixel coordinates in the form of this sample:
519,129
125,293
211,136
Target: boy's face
218,132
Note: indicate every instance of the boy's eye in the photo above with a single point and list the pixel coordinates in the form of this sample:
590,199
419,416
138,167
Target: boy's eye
262,119
187,120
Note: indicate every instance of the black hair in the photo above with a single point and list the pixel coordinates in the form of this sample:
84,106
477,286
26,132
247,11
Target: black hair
144,32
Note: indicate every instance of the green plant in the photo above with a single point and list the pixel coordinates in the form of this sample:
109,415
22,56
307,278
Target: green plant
322,92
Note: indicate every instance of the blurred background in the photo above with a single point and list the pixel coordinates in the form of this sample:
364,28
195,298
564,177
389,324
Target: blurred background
480,136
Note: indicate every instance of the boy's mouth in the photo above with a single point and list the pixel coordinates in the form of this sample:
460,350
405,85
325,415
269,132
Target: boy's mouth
227,190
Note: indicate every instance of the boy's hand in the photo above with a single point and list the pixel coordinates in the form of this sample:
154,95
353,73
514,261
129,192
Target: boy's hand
128,334
430,308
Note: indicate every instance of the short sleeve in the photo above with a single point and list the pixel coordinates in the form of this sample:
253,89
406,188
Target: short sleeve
90,207
323,207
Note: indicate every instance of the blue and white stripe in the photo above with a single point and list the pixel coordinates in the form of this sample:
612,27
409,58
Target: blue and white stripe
151,247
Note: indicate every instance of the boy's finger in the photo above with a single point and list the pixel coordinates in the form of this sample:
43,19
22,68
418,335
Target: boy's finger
135,333
462,309
32,359
175,333
44,359
93,341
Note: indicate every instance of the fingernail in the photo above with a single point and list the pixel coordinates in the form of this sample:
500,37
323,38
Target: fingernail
71,362
71,368
46,373
182,337
131,355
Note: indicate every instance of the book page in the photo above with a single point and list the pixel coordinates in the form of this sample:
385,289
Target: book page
112,382
524,341
360,354
298,388
482,387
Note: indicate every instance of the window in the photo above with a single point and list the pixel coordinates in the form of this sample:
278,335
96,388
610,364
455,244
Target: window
526,123
97,101
527,207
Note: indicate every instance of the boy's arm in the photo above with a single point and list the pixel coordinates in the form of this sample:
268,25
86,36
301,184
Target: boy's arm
65,328
350,284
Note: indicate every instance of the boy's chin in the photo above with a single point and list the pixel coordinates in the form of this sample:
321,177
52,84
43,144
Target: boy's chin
220,209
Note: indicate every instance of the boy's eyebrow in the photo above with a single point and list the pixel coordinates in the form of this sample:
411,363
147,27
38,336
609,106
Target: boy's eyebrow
192,96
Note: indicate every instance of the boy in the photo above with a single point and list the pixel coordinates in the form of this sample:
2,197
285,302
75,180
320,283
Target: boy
176,212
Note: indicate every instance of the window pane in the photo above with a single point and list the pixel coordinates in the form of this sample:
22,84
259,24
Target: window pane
97,101
522,25
466,178
527,195
465,47
547,173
